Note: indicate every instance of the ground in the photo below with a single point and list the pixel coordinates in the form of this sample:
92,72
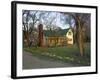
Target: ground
51,57
33,62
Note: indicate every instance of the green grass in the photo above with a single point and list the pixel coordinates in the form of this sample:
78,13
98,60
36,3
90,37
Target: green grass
68,54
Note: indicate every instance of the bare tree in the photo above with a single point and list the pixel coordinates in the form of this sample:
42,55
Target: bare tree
25,25
30,18
50,20
81,20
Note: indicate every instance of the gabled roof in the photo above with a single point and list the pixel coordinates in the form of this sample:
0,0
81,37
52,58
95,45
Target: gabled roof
61,32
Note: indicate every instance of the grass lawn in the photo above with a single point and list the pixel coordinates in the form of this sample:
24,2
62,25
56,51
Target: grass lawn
68,54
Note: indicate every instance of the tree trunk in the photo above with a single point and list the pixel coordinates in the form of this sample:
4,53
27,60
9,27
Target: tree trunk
80,39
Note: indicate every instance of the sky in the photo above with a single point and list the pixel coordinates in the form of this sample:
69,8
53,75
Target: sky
57,18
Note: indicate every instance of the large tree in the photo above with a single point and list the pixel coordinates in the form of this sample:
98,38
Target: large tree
81,27
30,19
25,17
81,20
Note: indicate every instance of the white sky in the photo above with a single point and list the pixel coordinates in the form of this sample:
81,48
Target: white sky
58,21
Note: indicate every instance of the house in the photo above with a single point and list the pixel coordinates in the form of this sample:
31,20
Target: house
65,37
69,36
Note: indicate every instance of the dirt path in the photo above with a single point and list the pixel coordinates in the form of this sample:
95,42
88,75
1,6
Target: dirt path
33,62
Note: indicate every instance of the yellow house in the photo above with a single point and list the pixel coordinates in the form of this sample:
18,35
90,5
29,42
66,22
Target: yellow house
69,36
65,39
